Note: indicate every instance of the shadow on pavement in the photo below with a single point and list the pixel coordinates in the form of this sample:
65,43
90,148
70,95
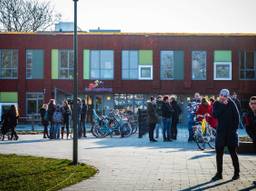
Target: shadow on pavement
253,187
23,141
205,186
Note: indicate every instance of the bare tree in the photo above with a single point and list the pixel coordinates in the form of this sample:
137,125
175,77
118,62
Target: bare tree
27,15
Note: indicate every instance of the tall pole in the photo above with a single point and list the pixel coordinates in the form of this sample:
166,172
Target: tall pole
75,90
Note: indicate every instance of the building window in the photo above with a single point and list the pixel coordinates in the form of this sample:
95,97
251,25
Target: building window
34,102
172,65
130,61
8,64
34,64
222,65
222,71
247,65
145,72
198,65
102,64
137,64
66,64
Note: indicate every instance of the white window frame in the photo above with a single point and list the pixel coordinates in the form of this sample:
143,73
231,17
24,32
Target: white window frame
223,63
151,72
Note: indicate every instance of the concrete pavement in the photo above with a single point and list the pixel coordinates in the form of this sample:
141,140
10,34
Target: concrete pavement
136,164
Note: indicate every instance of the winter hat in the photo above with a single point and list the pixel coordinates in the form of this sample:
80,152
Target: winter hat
224,92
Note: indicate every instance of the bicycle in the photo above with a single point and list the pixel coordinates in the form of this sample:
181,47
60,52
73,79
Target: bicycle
110,125
204,134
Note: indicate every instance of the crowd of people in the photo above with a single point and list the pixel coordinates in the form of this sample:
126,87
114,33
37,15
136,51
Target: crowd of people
223,114
58,118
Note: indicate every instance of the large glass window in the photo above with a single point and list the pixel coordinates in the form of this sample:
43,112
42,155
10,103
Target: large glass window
8,64
172,65
34,64
66,64
137,64
198,65
167,65
34,102
222,65
102,64
247,65
130,64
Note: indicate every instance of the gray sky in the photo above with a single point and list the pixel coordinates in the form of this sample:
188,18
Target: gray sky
162,15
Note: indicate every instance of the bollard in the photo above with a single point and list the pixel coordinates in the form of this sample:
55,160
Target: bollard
32,122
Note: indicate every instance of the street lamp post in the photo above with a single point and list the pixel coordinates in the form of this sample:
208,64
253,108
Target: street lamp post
75,90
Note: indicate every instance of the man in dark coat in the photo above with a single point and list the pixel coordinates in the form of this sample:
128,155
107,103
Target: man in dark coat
175,117
152,118
226,111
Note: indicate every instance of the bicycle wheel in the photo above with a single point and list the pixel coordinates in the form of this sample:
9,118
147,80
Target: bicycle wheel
126,130
134,128
212,135
199,139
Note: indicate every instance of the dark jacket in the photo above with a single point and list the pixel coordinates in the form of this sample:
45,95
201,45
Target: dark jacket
250,125
51,110
12,119
83,112
159,104
228,121
176,109
167,110
152,116
66,112
44,117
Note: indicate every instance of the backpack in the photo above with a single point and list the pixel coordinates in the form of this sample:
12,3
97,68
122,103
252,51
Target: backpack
57,117
46,118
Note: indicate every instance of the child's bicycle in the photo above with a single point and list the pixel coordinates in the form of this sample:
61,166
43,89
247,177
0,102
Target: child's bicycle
204,134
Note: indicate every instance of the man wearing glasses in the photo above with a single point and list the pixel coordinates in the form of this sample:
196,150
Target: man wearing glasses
250,122
226,111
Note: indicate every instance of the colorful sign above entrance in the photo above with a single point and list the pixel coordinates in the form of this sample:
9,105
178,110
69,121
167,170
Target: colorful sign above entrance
97,86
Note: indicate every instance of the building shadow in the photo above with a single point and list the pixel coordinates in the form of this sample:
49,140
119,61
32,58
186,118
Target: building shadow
206,185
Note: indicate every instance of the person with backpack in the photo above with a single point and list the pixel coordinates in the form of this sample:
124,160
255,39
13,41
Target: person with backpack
57,121
226,111
44,119
66,112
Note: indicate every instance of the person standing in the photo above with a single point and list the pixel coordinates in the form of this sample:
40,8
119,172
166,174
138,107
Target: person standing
44,119
51,110
152,118
83,118
192,108
66,112
175,117
250,121
166,117
13,116
159,125
225,110
57,121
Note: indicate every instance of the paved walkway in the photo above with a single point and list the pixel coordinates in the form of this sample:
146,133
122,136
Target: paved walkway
136,164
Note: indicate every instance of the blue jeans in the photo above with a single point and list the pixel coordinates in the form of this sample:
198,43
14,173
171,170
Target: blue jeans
159,126
191,122
57,130
166,128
